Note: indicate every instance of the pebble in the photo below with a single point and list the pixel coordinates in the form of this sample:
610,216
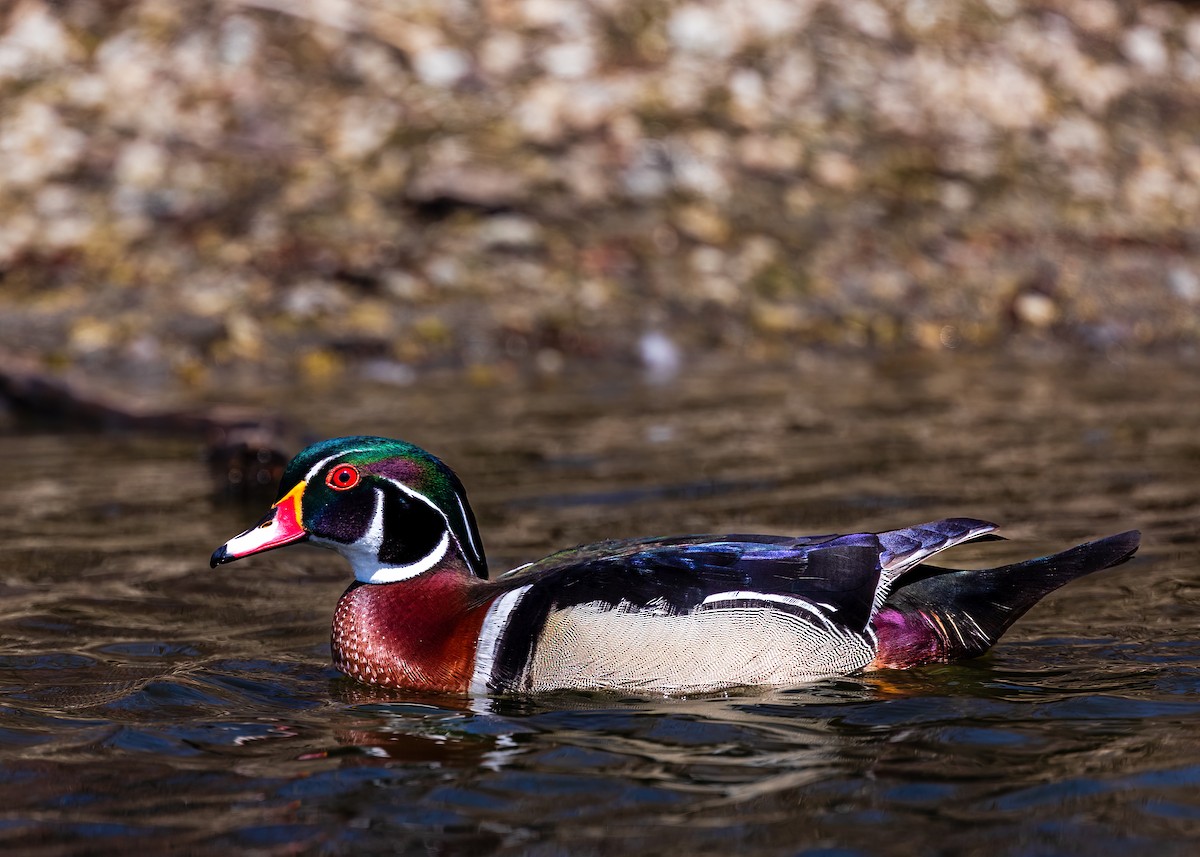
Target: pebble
509,232
1036,310
441,67
439,154
661,357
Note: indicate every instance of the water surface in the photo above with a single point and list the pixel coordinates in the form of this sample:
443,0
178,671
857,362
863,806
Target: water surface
148,702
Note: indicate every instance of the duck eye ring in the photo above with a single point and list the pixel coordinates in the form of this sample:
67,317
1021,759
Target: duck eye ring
343,477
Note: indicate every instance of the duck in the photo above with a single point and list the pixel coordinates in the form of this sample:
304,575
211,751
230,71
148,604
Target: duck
669,616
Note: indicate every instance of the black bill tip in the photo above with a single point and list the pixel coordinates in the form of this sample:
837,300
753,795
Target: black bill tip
220,556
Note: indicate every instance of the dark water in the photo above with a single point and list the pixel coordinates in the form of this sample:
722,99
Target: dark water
150,705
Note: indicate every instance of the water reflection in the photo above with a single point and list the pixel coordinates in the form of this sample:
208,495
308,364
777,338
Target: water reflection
148,702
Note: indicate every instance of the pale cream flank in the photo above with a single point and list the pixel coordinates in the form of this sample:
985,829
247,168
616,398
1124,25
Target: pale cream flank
596,646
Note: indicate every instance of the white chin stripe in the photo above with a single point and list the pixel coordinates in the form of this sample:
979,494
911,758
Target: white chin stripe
371,571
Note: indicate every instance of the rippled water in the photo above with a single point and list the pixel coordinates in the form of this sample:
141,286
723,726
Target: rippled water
147,702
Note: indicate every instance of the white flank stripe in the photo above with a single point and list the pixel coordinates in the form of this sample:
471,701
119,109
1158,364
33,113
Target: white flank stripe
494,624
749,595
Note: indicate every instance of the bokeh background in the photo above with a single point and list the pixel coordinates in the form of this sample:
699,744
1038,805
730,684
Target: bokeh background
255,189
631,267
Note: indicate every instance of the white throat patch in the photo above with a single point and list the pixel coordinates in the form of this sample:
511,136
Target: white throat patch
363,555
375,572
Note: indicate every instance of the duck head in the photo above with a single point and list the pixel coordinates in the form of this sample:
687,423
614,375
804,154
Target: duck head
392,509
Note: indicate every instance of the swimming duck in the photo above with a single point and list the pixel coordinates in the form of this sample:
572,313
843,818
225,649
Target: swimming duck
687,614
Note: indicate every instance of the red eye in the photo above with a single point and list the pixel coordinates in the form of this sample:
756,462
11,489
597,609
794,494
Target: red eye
342,477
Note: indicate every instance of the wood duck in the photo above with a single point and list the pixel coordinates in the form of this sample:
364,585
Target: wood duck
680,615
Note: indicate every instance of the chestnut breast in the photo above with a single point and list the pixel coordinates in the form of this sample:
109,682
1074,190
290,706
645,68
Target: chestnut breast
418,634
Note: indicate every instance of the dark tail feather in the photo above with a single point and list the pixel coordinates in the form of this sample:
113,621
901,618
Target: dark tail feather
938,615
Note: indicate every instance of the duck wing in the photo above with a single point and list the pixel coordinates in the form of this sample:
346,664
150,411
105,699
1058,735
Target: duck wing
683,572
830,587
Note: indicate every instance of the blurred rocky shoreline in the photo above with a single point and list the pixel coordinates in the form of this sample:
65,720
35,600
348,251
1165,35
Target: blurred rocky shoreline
277,189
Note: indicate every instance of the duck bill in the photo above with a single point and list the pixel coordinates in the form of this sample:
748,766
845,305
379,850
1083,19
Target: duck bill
280,526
